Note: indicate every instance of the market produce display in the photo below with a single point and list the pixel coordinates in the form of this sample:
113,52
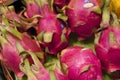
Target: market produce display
59,40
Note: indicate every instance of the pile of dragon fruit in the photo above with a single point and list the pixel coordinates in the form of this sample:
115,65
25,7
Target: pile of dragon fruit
60,39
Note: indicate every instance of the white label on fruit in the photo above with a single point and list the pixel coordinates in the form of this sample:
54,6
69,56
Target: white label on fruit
88,5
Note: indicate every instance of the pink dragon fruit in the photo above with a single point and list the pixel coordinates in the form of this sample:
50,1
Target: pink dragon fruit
61,3
52,34
36,70
107,48
11,57
10,14
11,50
26,41
32,8
80,64
84,17
19,20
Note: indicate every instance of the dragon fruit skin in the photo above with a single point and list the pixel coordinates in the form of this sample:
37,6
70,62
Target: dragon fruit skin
11,14
81,63
82,18
42,74
49,24
26,41
32,8
11,58
60,75
61,3
11,54
107,49
30,44
35,70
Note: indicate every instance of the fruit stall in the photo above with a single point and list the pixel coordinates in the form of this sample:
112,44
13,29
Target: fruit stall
59,39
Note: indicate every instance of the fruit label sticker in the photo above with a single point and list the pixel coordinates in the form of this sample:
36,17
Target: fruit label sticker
88,4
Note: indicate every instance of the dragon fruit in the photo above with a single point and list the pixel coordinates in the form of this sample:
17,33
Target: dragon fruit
32,8
26,41
19,20
61,3
107,48
52,34
10,50
36,70
80,64
10,13
84,17
10,57
54,37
